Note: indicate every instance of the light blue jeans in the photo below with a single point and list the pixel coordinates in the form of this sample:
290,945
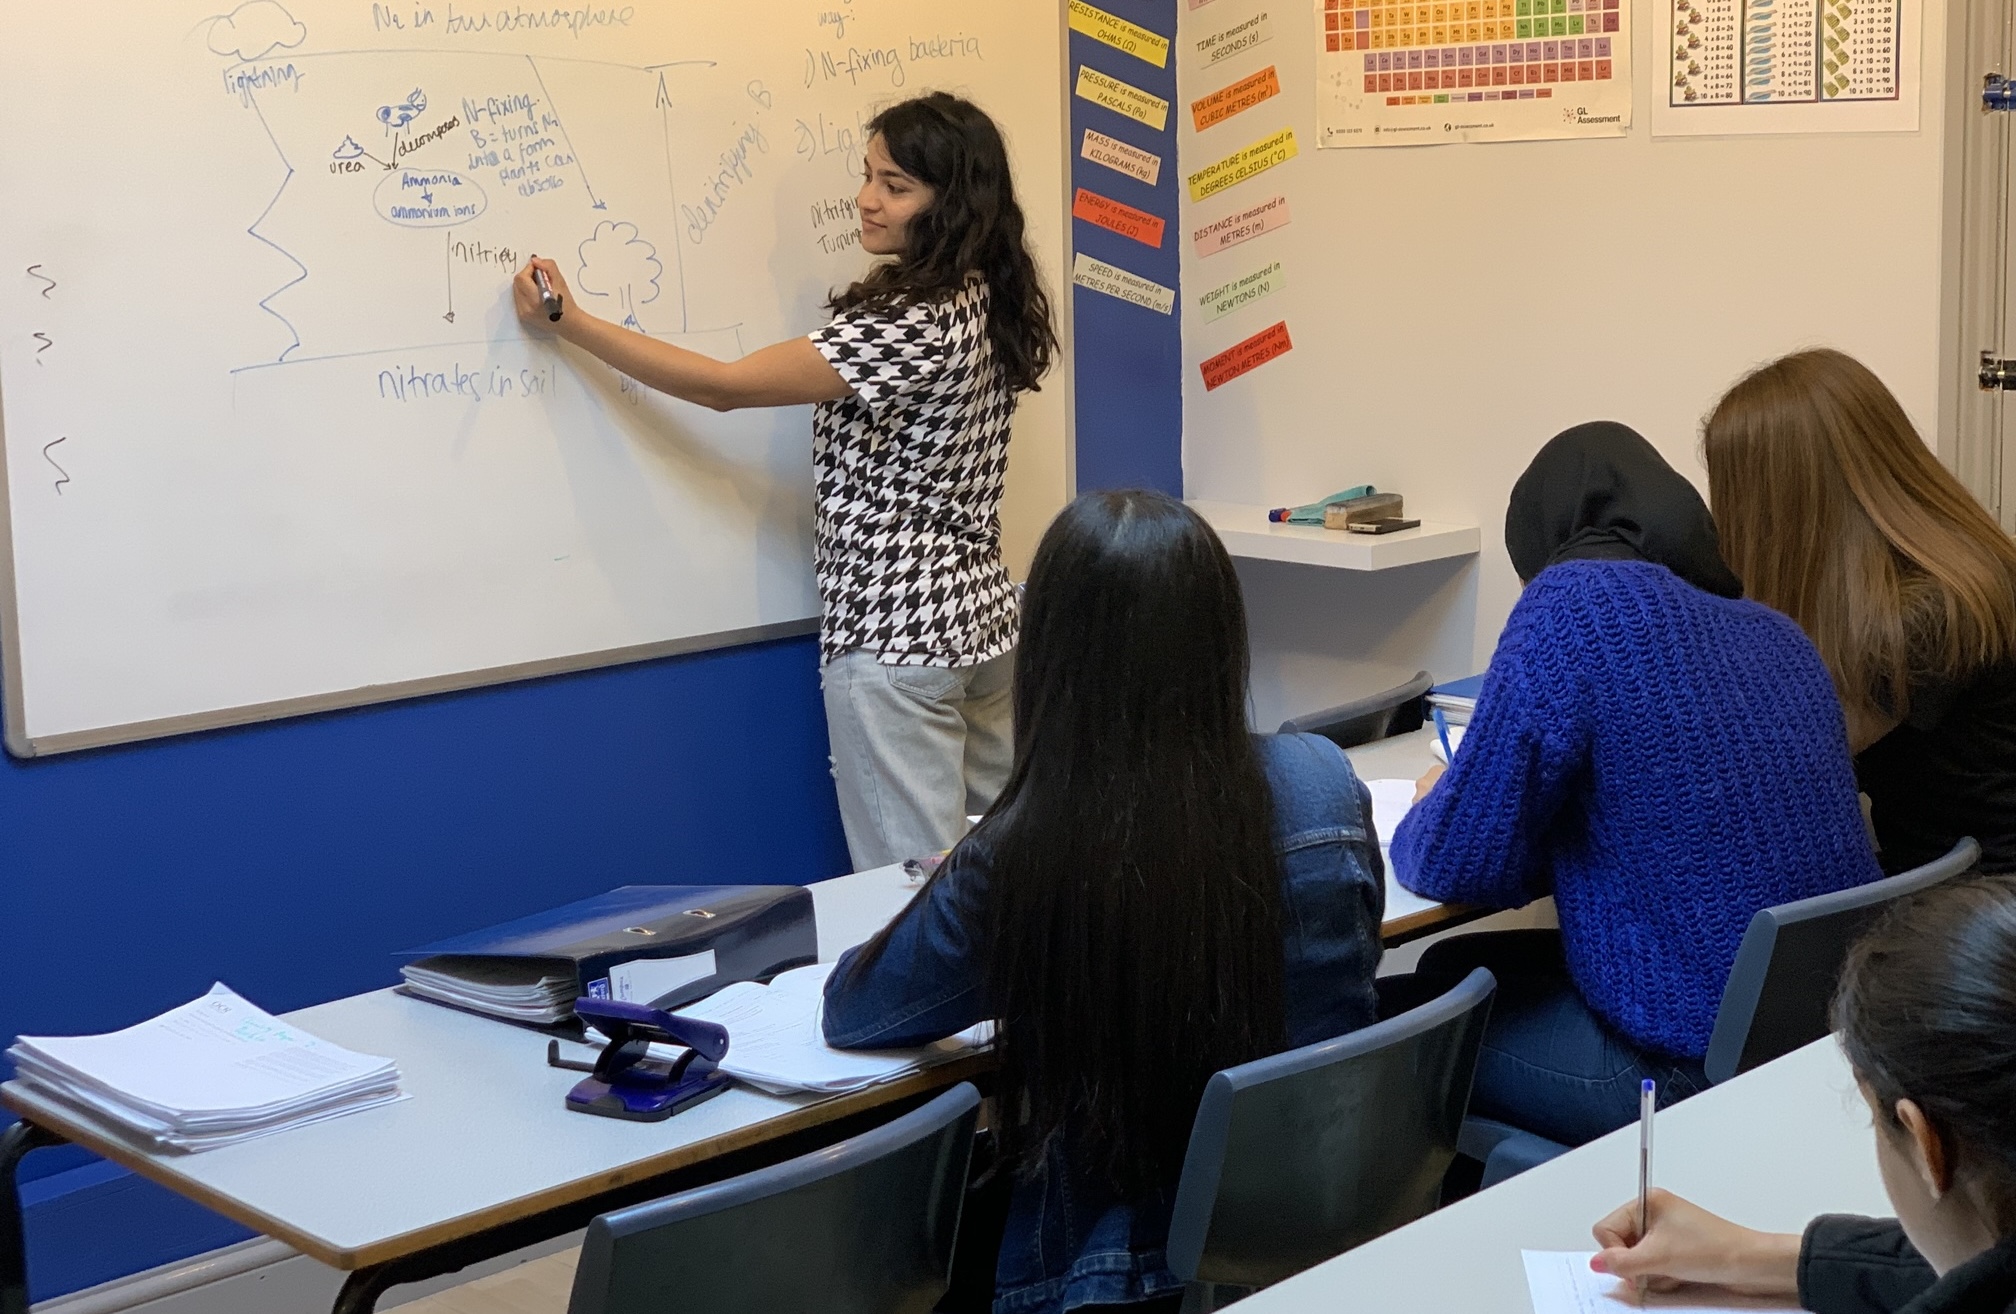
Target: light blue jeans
916,750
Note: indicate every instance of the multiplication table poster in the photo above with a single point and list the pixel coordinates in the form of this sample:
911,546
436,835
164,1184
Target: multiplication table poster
1774,66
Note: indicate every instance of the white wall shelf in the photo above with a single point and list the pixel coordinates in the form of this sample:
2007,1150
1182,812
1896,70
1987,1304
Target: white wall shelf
1247,532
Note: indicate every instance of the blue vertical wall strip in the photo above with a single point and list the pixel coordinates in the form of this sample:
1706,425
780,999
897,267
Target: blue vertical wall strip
291,859
1128,362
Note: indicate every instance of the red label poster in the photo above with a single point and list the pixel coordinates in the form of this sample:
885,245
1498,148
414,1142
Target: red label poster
1251,354
1121,218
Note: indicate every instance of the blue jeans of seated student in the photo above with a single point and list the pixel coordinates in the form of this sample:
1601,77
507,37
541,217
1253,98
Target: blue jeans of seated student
1549,1065
915,750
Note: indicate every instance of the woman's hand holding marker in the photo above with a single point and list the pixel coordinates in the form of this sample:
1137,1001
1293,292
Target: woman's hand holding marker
540,292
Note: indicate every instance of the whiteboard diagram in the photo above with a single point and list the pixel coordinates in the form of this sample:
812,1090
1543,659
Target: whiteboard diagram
274,437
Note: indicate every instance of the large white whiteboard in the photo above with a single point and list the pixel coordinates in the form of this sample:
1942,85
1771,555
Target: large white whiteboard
274,440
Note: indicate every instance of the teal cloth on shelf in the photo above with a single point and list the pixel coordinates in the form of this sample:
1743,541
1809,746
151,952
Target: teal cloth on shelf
1312,514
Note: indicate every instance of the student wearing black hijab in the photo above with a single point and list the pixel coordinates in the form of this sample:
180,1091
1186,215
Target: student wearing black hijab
1661,756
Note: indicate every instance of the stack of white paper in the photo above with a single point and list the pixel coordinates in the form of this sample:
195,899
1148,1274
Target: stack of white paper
775,1039
215,1071
517,988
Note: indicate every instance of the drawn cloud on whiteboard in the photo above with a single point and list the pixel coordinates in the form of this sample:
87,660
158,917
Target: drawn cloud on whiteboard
255,30
617,262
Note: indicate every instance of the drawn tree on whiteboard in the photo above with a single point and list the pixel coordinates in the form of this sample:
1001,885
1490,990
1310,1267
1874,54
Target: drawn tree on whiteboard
616,262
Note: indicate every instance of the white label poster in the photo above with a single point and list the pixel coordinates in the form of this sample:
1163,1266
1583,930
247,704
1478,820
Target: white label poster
1406,74
1774,66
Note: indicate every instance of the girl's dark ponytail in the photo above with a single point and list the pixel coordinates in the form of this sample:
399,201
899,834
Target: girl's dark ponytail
1927,1012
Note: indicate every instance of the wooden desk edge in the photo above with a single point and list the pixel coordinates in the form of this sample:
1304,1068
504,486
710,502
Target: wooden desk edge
941,1076
1399,930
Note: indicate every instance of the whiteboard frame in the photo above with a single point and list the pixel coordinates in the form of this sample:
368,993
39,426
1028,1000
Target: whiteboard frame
13,692
22,745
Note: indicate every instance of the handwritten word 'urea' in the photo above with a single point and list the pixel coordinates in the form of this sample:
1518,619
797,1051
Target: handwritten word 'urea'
736,170
575,20
414,383
246,79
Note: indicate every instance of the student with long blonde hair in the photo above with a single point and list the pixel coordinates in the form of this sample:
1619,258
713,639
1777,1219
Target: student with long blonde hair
1832,509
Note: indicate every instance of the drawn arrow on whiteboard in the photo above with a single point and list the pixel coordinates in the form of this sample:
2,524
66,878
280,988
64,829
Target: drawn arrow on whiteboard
597,202
678,247
450,266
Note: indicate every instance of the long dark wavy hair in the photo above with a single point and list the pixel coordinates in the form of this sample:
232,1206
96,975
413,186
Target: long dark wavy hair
973,224
1926,1009
1132,944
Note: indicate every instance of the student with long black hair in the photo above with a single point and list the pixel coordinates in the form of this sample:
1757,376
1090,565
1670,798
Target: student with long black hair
1927,1015
916,379
1158,894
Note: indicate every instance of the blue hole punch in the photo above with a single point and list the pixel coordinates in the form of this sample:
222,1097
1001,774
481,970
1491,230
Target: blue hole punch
624,1082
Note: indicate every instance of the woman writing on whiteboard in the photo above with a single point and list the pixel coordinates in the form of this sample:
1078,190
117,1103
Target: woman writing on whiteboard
915,380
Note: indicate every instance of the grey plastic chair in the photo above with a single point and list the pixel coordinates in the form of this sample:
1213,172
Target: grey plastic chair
1364,720
1775,1000
1790,961
1301,1156
862,1227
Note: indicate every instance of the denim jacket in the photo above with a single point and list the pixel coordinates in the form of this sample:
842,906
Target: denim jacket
1069,1240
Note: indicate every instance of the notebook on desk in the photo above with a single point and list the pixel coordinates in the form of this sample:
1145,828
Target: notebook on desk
1457,698
664,945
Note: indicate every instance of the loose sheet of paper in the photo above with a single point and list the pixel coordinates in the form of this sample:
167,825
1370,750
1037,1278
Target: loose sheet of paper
1561,1282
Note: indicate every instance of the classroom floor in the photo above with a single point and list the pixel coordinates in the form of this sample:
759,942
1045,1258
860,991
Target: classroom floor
538,1287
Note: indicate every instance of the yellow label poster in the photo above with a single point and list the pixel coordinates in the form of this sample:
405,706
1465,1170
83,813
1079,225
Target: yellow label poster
1117,96
1243,164
1115,31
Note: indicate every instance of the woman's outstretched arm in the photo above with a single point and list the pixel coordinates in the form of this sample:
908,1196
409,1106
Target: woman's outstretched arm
789,373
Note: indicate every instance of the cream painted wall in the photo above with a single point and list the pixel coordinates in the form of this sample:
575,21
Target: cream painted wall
1453,307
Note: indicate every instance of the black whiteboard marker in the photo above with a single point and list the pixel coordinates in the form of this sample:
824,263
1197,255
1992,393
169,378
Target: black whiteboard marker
547,299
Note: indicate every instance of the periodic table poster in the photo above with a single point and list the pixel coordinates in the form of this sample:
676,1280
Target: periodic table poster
1402,73
1773,66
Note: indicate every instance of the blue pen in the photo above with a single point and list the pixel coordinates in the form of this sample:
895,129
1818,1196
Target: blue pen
1648,1100
1442,732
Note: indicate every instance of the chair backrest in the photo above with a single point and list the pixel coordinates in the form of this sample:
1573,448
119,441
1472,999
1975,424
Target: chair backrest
1790,960
862,1227
1364,720
1303,1155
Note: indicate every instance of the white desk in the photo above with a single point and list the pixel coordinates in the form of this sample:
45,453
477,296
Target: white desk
486,1143
1771,1149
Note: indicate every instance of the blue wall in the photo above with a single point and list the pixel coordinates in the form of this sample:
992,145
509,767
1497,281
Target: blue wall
291,859
1129,365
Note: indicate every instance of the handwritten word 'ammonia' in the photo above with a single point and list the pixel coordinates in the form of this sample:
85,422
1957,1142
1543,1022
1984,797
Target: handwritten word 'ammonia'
412,383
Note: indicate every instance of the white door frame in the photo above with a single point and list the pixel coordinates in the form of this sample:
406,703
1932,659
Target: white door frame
1974,428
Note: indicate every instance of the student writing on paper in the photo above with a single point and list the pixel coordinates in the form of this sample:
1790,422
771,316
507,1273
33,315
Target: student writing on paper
1927,1015
1834,511
916,379
1157,895
1661,756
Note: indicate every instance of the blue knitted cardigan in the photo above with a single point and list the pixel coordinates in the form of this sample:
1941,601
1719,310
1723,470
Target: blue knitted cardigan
1663,762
